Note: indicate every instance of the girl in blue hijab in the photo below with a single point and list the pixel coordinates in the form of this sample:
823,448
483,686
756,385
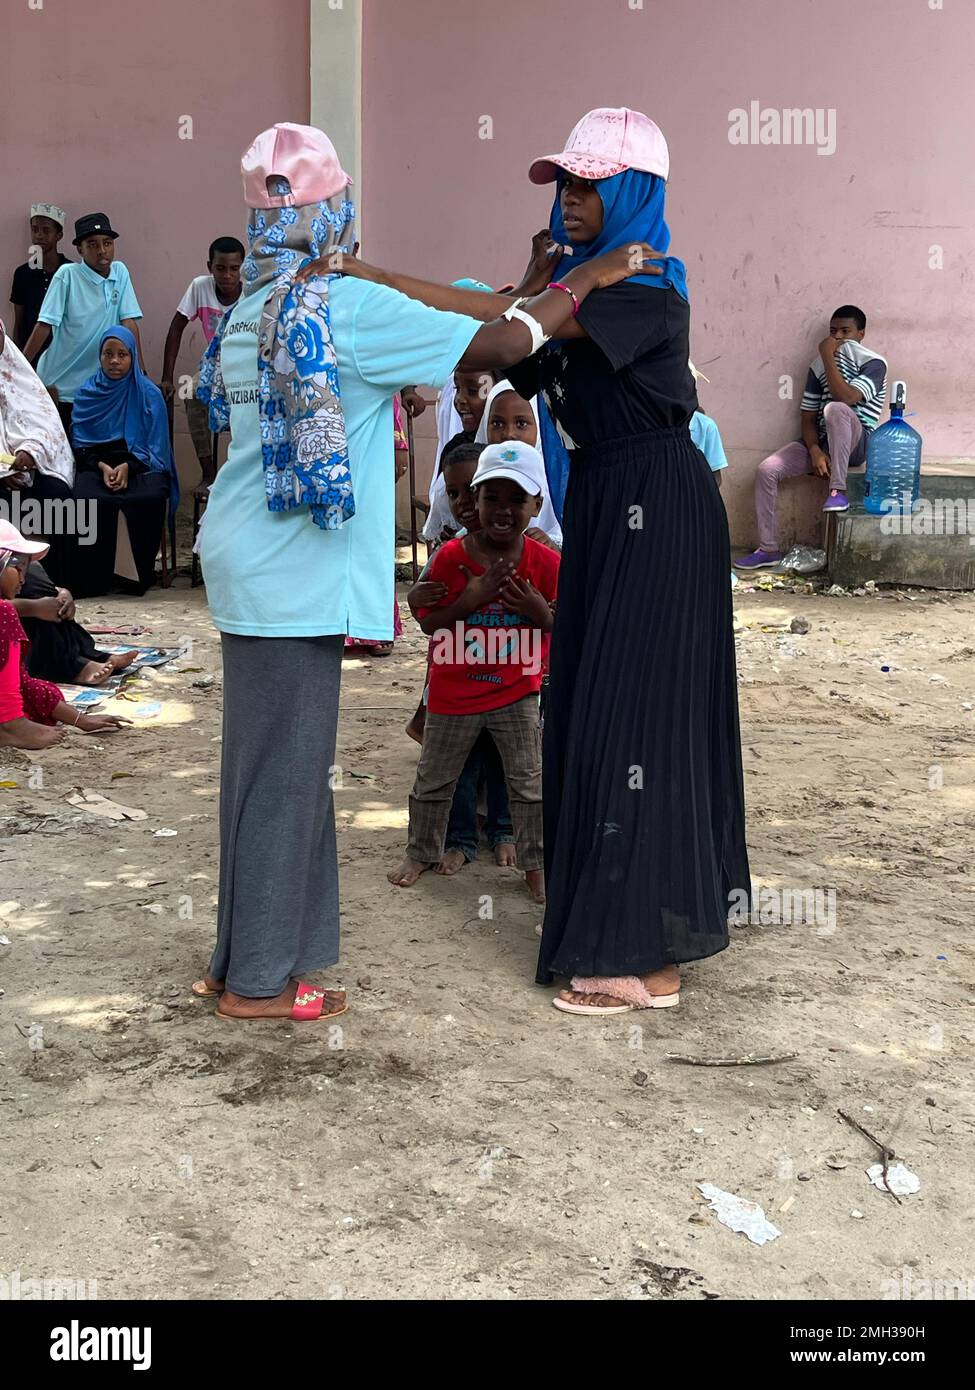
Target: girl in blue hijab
633,211
120,432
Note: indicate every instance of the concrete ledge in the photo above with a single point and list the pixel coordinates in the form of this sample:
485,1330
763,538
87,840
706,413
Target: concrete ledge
934,549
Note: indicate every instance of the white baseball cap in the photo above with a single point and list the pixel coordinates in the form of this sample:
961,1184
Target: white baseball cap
11,539
513,459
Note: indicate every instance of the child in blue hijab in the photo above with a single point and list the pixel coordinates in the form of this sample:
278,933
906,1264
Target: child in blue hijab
120,403
120,432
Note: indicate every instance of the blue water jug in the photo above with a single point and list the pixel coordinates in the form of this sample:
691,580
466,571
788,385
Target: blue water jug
893,478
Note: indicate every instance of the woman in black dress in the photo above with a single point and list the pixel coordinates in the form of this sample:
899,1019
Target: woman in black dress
643,797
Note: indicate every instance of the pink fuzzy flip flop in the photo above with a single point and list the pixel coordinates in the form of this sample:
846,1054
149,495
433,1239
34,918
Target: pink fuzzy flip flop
630,989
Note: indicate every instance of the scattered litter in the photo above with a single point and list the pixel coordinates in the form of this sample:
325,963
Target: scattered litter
155,908
885,668
871,586
803,559
896,1179
857,1215
204,683
100,805
4,940
938,680
163,834
799,624
640,1078
836,591
787,1205
117,775
84,696
8,786
966,704
837,1163
738,1214
941,957
148,710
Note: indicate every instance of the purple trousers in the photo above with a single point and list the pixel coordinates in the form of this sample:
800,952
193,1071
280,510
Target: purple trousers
846,445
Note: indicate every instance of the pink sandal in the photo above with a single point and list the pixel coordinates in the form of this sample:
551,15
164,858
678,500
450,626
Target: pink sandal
630,989
309,1007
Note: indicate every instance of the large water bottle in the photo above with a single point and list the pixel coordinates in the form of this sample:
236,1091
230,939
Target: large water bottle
893,478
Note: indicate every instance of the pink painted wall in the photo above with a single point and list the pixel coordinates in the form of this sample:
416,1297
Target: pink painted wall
93,94
774,237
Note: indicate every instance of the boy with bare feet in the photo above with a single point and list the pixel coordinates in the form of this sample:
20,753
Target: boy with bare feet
492,629
483,766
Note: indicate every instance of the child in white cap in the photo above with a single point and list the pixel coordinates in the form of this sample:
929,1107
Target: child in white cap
31,280
491,635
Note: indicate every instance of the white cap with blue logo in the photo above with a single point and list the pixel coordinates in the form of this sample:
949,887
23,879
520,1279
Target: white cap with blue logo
513,459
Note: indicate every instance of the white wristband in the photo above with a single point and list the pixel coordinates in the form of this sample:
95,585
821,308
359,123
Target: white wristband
534,327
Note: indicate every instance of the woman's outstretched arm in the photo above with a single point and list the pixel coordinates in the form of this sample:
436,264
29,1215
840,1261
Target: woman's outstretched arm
502,342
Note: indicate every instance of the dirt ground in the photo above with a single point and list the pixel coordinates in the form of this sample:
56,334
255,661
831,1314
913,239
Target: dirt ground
456,1137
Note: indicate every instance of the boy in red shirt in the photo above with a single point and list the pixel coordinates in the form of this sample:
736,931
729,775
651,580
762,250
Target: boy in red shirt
491,636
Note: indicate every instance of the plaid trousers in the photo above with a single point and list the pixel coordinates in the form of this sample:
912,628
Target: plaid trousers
447,741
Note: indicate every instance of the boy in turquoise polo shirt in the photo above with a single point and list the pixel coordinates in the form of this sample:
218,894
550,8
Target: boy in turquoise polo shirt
83,299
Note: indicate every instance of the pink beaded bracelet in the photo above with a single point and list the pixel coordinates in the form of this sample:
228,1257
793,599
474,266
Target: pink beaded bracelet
558,285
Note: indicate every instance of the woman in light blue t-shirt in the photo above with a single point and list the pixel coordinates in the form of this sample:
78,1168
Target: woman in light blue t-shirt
298,542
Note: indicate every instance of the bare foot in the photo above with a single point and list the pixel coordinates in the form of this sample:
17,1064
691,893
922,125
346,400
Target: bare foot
95,673
119,660
239,1006
535,878
504,855
452,862
208,985
665,981
407,873
597,1001
414,730
24,733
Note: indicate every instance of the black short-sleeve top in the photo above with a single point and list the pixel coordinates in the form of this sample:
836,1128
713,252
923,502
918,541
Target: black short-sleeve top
629,376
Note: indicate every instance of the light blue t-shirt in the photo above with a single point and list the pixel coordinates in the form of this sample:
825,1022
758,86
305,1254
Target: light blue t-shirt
705,435
277,574
79,305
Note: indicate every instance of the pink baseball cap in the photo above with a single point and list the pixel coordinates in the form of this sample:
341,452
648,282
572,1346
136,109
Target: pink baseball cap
11,539
299,153
605,142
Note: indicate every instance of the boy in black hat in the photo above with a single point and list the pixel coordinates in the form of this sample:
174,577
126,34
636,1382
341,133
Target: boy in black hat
83,300
31,279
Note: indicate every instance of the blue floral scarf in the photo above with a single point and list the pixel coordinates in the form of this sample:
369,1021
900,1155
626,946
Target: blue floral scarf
304,448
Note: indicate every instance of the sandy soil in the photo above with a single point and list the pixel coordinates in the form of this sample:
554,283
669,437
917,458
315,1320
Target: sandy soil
455,1137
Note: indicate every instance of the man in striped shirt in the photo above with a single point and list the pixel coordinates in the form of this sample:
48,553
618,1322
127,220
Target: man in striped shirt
846,388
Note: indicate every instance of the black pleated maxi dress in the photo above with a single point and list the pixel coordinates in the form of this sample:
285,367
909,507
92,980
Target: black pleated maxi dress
643,796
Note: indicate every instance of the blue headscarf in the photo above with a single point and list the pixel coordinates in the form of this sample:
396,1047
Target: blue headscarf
131,408
633,210
304,446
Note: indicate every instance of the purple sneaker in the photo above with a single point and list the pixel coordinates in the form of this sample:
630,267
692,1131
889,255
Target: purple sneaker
759,560
837,502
